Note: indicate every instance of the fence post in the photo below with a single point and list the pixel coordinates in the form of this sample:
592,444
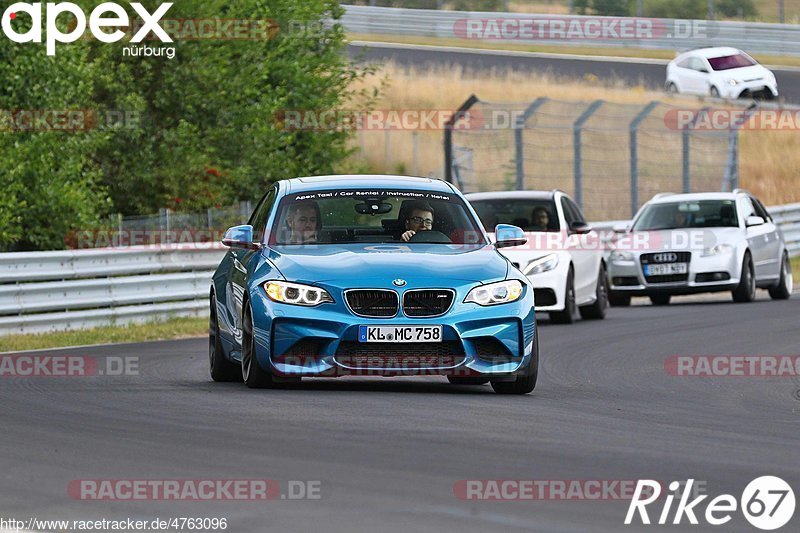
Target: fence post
576,143
415,152
448,136
634,127
519,149
730,180
687,130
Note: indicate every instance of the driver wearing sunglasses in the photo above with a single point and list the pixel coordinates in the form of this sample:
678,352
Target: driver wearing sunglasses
420,218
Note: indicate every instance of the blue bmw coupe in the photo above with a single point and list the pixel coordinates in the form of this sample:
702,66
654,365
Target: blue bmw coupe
370,275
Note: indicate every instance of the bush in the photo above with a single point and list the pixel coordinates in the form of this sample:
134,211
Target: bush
730,8
611,8
207,132
675,9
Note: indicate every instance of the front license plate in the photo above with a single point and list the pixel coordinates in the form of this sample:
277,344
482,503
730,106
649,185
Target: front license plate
666,270
400,333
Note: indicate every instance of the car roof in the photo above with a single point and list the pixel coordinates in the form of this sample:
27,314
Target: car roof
360,181
511,195
689,197
715,51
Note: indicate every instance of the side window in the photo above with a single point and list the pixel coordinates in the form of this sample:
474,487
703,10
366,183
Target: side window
576,211
569,215
747,208
761,210
697,64
259,218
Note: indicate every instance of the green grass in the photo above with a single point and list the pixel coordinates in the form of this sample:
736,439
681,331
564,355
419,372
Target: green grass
765,59
796,269
176,328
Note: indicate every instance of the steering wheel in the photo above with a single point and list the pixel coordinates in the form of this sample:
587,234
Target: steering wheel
431,236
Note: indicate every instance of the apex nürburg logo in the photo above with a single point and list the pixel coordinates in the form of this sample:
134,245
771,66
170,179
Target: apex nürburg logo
105,15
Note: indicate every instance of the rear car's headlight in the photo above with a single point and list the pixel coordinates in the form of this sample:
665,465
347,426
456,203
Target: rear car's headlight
733,82
296,293
620,256
543,264
717,250
502,292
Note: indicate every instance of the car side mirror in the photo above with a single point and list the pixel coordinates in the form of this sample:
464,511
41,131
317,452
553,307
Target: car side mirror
240,237
754,221
622,227
508,235
581,228
703,70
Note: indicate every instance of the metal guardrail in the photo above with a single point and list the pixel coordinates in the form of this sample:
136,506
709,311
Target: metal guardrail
669,34
50,291
788,218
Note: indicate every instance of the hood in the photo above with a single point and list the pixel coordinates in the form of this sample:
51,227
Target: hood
688,240
356,265
744,73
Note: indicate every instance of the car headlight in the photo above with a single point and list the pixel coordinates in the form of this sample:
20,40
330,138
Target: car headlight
296,293
733,82
543,264
621,256
717,250
502,292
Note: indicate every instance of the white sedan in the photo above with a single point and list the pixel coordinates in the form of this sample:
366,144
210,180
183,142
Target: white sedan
563,257
721,72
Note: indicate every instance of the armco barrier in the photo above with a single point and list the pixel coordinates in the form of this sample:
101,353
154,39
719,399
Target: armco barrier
49,291
668,34
788,218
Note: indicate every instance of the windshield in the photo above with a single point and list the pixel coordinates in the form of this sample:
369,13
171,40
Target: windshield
731,62
374,216
695,214
530,214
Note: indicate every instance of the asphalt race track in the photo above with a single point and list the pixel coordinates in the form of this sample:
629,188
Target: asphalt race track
387,452
649,72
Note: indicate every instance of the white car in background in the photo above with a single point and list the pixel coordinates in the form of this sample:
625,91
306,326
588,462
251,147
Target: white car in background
568,277
700,242
721,72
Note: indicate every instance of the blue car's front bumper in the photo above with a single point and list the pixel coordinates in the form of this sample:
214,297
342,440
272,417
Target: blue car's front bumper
495,341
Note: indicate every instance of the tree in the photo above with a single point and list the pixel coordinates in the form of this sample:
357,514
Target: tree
198,130
50,182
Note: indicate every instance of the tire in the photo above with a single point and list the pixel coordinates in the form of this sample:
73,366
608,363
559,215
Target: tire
714,92
253,375
783,290
746,290
660,299
672,88
567,316
616,299
525,383
597,310
459,380
220,368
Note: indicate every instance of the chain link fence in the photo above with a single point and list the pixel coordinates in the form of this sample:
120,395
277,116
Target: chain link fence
610,157
166,227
